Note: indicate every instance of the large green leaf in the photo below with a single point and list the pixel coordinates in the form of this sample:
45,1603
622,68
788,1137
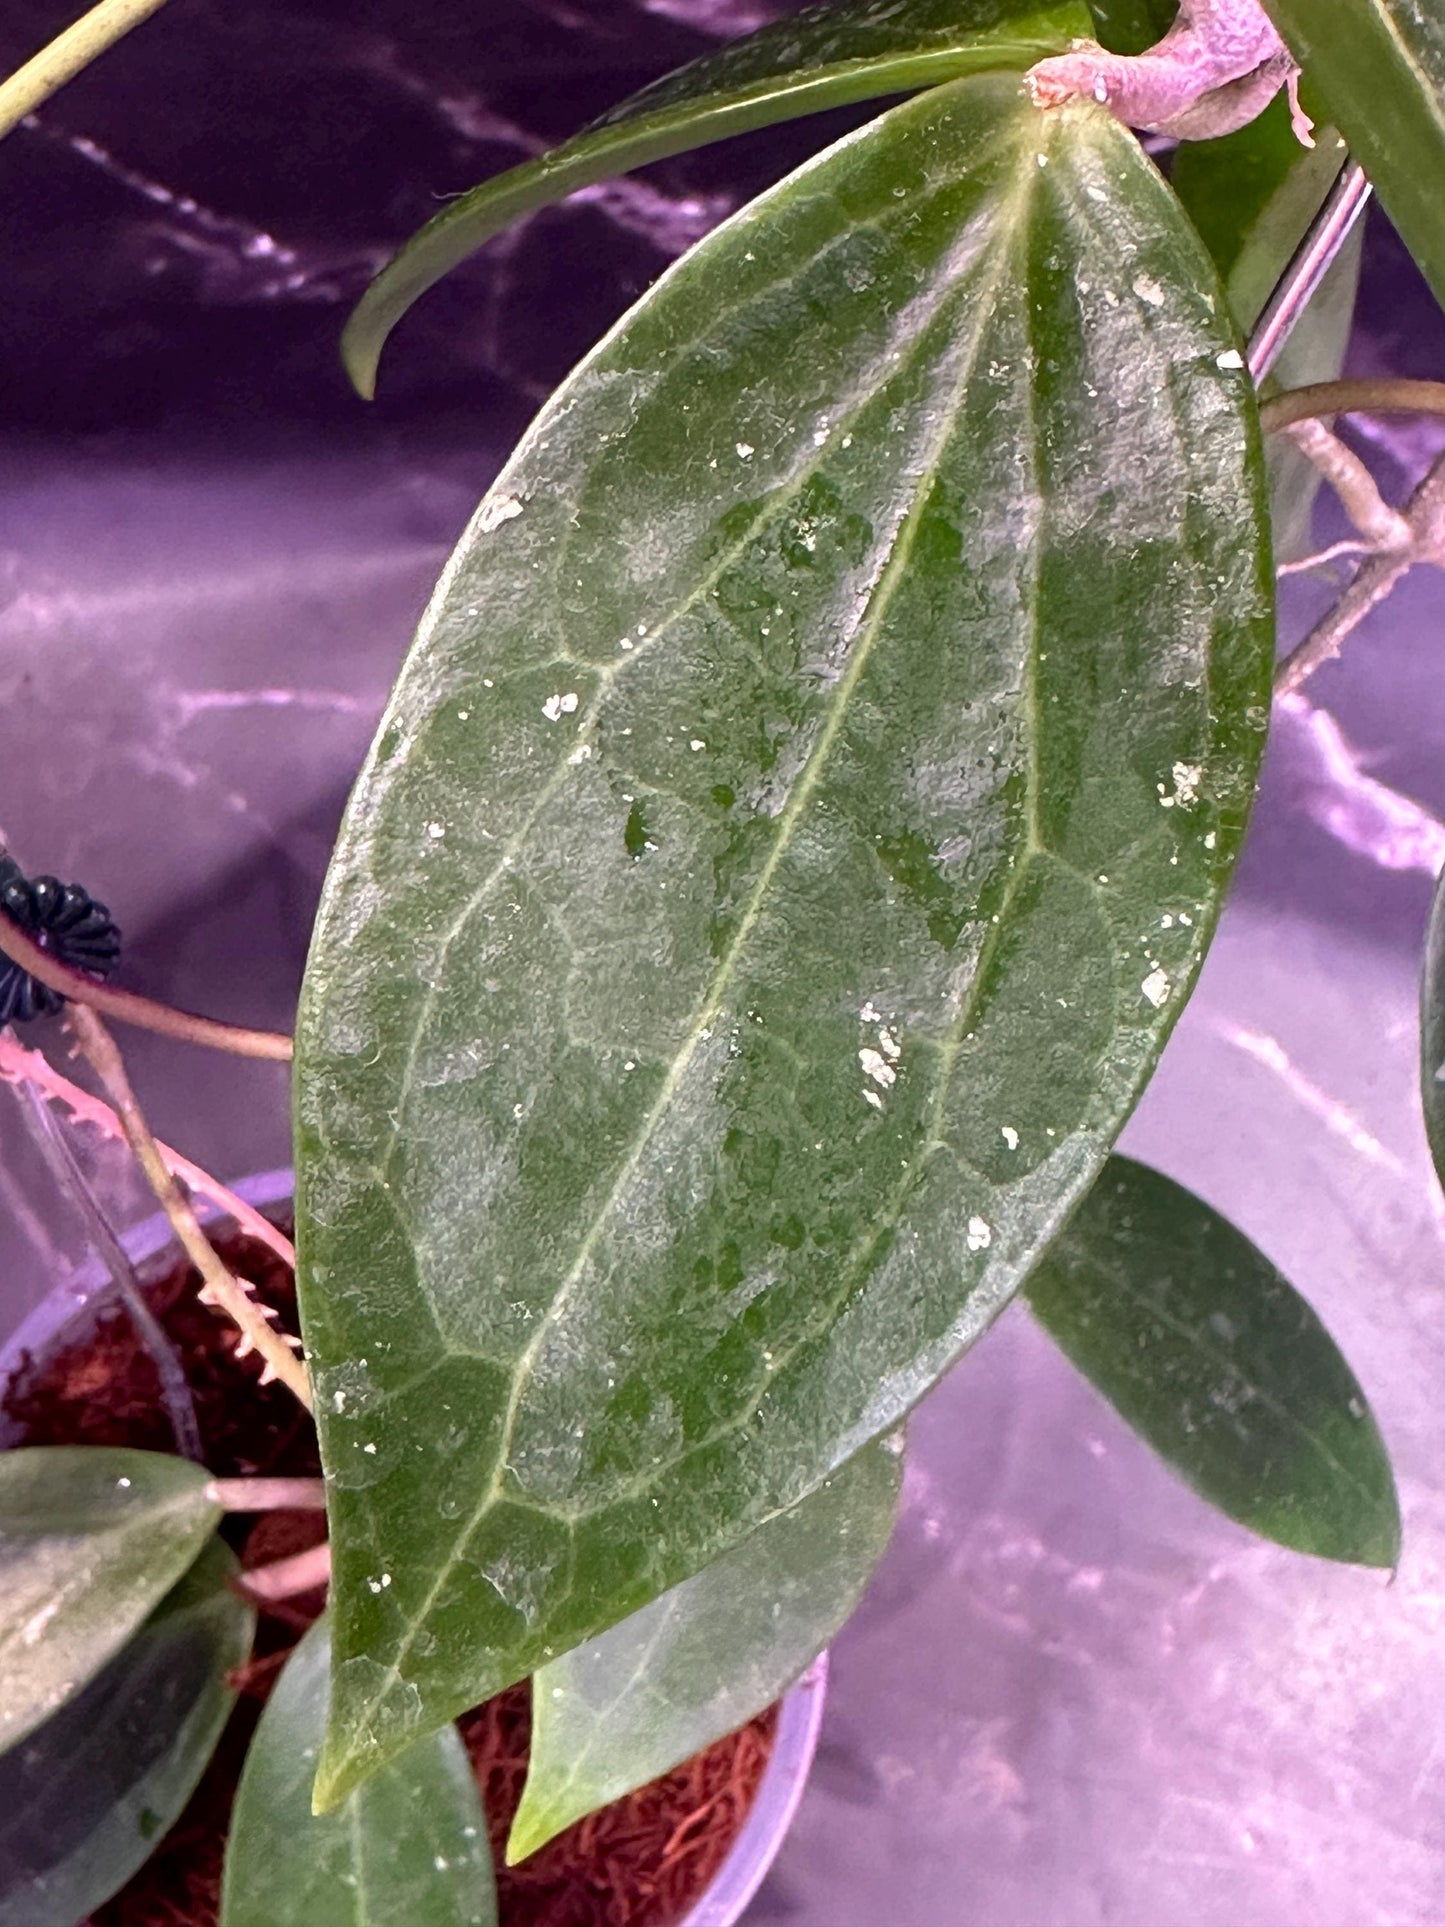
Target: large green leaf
90,1540
831,55
88,1798
1211,1355
705,1658
1379,66
407,1850
1432,1031
788,846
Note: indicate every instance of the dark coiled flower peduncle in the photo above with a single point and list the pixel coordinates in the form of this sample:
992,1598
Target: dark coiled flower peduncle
63,919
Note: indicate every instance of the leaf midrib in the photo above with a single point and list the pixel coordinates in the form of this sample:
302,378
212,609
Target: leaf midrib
607,674
803,791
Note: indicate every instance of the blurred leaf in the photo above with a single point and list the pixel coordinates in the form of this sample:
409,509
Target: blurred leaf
1218,1363
707,1657
739,915
1314,352
1253,196
832,55
1432,1031
408,1850
91,1539
88,1798
1129,26
1379,67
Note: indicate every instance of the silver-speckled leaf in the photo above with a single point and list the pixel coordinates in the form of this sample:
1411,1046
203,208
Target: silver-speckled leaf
787,849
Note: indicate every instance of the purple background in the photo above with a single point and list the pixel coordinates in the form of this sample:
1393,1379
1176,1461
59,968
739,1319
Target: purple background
1074,1695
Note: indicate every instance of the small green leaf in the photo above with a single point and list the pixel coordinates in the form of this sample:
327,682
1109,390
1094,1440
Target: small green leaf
701,1661
87,1799
1379,67
408,1850
862,569
90,1540
1218,1363
1432,1031
831,55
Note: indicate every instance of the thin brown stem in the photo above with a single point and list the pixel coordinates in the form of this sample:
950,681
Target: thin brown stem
1424,521
220,1287
268,1495
1383,396
127,1008
1373,582
285,1578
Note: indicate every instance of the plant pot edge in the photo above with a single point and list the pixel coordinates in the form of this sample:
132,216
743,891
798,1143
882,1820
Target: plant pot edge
800,1717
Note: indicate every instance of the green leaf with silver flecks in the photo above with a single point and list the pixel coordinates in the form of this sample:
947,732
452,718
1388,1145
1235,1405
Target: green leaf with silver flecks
704,1659
1432,1031
1379,68
1129,26
87,1799
831,55
1216,1361
1252,196
785,853
410,1846
91,1538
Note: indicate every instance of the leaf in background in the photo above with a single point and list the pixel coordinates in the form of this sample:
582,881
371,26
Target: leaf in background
1129,26
787,849
1252,196
832,55
1379,67
407,1850
87,1799
1432,1031
1217,1362
707,1657
1314,352
91,1539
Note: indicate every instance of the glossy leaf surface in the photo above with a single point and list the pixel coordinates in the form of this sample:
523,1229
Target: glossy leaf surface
91,1539
789,844
1379,67
1212,1357
410,1847
1432,1032
87,1799
831,55
705,1658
